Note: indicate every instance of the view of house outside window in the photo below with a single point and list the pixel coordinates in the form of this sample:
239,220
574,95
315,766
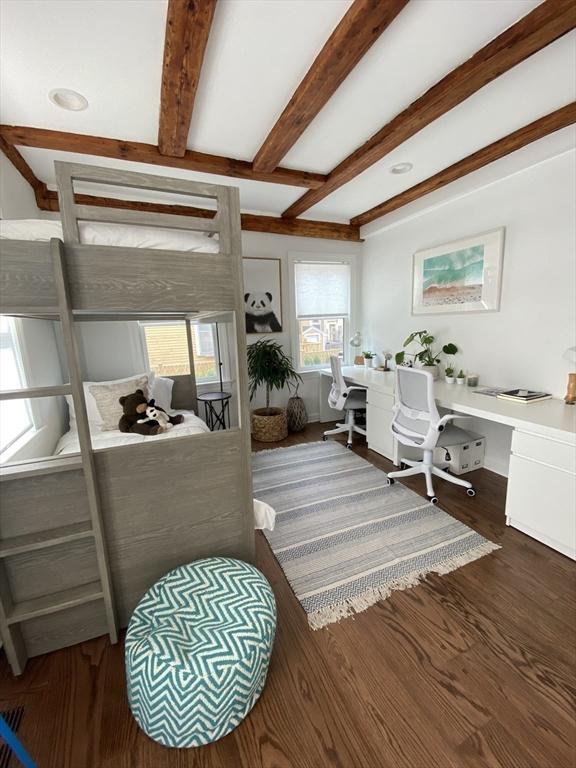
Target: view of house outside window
320,338
167,348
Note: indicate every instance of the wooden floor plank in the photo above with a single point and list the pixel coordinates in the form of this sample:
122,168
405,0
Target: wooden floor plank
474,669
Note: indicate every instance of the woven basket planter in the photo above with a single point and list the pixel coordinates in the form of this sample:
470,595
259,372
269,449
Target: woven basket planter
269,424
296,414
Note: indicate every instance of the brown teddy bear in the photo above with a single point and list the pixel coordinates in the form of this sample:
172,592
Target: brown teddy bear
134,410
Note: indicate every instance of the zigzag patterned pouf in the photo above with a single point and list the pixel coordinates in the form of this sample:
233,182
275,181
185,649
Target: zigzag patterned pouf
197,651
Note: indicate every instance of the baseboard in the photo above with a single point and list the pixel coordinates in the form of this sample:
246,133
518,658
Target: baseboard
498,467
312,417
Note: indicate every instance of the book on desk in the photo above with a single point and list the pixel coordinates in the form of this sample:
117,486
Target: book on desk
523,395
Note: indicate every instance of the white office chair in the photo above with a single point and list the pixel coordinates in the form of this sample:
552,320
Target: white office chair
417,423
344,398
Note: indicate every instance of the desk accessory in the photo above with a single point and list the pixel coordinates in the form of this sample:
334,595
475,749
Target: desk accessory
570,397
523,395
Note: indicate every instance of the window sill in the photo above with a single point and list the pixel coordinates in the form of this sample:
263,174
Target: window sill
18,444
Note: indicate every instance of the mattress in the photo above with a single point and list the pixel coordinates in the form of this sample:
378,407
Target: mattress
100,233
69,443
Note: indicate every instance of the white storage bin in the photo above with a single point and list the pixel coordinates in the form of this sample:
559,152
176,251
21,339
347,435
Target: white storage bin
467,456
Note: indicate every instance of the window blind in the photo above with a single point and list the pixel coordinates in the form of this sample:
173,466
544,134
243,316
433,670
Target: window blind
322,289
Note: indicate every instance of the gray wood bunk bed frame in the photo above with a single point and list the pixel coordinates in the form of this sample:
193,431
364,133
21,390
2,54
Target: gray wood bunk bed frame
83,537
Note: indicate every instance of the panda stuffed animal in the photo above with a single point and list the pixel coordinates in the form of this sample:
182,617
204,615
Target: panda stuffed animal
260,317
157,414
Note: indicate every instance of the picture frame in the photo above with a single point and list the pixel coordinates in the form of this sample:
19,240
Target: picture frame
262,294
463,275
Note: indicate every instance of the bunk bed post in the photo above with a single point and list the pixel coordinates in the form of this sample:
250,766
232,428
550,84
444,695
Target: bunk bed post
11,635
67,204
231,241
194,391
77,385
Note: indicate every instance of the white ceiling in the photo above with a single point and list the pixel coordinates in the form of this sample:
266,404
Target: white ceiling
259,50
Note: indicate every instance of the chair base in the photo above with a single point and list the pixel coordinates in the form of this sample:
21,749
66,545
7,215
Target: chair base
349,426
428,469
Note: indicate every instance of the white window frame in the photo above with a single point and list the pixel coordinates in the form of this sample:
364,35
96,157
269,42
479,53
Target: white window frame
223,347
19,353
350,322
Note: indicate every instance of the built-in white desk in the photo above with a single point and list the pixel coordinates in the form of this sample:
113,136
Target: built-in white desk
541,499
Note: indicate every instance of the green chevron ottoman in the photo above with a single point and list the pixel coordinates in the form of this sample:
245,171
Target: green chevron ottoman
197,651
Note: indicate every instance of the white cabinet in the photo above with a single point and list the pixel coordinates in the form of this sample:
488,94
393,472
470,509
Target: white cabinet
378,418
541,499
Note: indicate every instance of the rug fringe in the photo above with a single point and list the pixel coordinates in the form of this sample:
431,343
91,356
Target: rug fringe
334,613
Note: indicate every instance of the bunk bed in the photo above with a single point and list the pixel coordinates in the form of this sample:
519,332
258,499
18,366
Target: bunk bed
82,536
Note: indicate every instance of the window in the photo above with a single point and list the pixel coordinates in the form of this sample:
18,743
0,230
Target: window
167,348
322,297
15,415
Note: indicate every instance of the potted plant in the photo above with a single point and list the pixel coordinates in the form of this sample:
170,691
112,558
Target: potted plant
268,365
461,378
449,374
426,357
368,358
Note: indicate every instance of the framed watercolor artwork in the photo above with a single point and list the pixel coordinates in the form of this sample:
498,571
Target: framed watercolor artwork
262,295
462,276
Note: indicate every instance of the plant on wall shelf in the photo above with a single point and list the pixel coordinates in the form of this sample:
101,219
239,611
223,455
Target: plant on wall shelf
426,355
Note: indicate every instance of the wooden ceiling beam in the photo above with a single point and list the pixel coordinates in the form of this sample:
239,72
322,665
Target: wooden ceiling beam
188,26
139,152
38,187
560,118
250,222
358,30
542,26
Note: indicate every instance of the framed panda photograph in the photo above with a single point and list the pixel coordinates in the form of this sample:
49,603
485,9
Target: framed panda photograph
262,295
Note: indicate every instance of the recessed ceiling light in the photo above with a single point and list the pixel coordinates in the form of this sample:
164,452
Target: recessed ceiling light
67,99
401,168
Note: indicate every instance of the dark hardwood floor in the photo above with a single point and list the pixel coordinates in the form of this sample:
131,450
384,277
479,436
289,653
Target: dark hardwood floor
474,669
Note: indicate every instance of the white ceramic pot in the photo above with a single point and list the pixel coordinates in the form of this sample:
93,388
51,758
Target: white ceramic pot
433,369
449,379
367,362
461,380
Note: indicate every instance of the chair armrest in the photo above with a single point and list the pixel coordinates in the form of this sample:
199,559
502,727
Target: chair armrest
353,389
448,418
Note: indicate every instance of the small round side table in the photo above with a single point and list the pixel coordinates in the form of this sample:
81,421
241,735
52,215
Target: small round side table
216,409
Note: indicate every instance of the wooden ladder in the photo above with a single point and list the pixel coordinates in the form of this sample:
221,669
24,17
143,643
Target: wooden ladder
12,614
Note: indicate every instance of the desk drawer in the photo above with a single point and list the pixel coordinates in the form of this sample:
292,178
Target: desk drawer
551,452
380,400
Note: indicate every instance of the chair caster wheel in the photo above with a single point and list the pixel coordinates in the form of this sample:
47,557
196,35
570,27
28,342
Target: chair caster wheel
349,446
391,481
403,466
324,438
433,499
470,491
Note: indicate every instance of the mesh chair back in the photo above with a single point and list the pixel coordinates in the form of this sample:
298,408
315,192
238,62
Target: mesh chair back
335,399
415,412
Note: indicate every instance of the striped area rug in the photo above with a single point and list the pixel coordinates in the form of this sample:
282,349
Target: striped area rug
345,538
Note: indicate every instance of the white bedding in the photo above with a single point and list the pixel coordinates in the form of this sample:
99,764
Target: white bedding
100,233
69,443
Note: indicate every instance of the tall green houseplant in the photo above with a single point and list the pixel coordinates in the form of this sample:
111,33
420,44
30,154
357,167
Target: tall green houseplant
268,365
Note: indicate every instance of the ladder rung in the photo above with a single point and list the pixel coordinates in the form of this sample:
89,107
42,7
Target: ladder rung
29,542
44,467
59,601
19,394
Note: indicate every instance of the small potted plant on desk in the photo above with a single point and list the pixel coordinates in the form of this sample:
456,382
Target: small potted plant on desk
426,357
268,365
368,359
461,378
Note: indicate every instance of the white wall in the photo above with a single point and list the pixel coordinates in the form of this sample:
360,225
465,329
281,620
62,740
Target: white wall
17,199
522,344
279,246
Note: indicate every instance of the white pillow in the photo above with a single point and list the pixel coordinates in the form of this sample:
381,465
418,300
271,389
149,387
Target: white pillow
107,397
161,392
94,417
